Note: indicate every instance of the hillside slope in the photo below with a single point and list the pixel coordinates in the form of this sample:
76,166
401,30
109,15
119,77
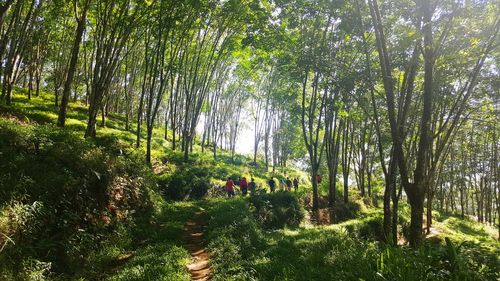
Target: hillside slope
77,209
71,206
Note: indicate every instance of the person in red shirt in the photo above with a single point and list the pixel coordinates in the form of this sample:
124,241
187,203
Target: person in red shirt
230,187
243,186
318,179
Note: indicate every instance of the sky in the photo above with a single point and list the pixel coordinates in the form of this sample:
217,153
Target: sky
245,138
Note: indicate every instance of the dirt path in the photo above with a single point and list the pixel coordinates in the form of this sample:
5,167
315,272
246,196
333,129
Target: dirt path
200,259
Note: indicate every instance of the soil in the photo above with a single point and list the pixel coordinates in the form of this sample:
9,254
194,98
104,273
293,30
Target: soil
199,267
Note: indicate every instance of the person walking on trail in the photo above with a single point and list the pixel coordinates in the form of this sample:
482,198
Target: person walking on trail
288,184
243,186
296,184
230,187
251,186
272,184
318,179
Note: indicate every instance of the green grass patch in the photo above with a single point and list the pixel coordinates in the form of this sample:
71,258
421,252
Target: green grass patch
244,250
151,249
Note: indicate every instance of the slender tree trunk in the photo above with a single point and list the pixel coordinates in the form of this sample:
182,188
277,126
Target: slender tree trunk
396,195
148,144
139,112
90,131
80,28
30,82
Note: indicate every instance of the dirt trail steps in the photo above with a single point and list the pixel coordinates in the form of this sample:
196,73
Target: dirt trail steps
199,267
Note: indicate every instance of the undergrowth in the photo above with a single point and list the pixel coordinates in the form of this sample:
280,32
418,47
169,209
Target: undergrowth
244,250
76,209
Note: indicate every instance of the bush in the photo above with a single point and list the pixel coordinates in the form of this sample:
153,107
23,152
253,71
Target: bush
346,211
444,262
234,237
277,210
60,196
185,183
404,219
373,228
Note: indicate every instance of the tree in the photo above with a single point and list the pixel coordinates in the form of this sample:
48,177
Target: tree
422,174
114,22
13,42
81,18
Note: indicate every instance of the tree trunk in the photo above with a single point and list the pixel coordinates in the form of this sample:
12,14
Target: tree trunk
37,85
396,194
314,181
30,82
417,207
80,28
148,143
430,197
187,142
390,180
103,114
90,131
139,119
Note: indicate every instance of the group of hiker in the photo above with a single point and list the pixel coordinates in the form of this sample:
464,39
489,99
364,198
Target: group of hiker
245,185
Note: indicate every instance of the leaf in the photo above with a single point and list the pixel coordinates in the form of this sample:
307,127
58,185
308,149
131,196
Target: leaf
97,174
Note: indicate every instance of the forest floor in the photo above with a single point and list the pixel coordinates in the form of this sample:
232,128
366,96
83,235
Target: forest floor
217,238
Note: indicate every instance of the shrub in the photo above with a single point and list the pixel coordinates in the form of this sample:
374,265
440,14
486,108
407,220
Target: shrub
346,211
17,220
235,238
78,191
402,264
185,183
441,262
277,210
404,220
373,228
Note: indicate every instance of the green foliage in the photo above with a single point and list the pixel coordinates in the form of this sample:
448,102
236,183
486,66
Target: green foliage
185,183
277,210
373,228
61,196
468,227
243,250
404,219
447,262
33,269
233,235
147,249
401,264
345,211
17,220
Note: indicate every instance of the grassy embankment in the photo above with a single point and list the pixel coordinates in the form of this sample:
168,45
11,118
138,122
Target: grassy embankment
245,249
55,226
71,207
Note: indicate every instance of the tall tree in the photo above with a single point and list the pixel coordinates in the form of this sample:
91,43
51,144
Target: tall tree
13,43
80,17
418,175
114,22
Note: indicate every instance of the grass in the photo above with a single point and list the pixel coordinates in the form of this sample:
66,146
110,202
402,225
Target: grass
52,223
147,245
150,250
44,169
68,203
41,110
244,250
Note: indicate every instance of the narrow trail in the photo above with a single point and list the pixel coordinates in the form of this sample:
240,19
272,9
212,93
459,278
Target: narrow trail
199,268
